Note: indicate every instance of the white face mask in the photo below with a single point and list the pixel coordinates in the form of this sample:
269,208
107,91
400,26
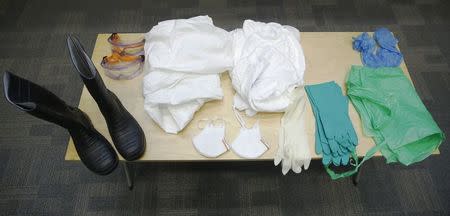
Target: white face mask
248,144
210,142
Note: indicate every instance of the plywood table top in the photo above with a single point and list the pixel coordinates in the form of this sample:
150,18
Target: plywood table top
329,56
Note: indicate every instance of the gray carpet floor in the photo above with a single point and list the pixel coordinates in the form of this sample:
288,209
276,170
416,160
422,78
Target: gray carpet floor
35,179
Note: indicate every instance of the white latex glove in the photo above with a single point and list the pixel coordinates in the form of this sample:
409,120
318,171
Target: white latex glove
293,147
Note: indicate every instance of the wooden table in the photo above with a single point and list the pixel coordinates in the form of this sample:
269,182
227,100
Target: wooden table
329,56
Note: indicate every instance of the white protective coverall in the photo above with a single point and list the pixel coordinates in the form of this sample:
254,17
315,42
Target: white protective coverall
183,60
268,64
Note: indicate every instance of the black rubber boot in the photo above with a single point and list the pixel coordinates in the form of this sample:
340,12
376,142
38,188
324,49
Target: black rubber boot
127,135
93,149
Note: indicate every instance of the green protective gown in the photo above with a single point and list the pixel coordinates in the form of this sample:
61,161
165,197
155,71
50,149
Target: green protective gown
393,114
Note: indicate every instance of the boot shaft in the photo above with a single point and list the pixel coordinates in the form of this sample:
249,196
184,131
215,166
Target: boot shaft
40,102
90,76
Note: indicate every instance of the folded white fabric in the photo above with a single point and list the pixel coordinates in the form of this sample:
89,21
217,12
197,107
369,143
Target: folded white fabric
183,60
268,64
192,45
172,98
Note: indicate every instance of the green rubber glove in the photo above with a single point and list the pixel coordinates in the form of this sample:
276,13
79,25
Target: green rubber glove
335,136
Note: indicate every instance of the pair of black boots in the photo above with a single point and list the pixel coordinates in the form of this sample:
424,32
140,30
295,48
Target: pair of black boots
92,147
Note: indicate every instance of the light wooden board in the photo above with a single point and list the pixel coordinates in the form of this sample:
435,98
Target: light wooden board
329,56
